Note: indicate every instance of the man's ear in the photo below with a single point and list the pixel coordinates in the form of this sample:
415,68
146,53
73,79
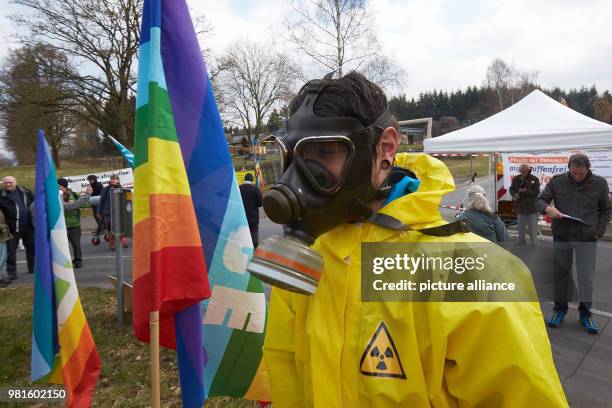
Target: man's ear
387,145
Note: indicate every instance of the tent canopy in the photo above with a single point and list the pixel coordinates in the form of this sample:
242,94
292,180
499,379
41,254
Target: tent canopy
537,123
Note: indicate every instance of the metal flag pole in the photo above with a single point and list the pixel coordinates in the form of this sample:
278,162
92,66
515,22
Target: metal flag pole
116,224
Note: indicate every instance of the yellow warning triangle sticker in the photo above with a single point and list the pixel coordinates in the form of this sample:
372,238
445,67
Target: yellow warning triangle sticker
380,358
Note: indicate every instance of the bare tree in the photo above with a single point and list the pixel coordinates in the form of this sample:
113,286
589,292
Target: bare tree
253,79
102,39
30,99
498,77
509,83
339,36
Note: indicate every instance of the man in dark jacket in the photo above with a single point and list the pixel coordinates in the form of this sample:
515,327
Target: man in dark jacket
524,190
251,198
96,190
104,209
583,195
15,202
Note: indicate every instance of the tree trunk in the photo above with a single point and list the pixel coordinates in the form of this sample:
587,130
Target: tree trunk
55,154
123,133
339,45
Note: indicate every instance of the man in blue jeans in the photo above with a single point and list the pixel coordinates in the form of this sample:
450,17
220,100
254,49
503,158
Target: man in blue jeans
580,194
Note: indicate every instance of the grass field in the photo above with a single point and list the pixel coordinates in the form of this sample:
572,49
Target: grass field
459,167
466,167
124,379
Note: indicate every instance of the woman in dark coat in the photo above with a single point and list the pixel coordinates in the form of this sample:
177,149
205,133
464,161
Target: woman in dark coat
482,219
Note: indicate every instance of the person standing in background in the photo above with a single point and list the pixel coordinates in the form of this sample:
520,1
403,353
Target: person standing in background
581,194
96,190
251,199
104,208
15,202
72,215
525,189
5,235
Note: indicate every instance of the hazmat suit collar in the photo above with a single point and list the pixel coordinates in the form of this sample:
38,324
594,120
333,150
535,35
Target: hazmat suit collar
420,209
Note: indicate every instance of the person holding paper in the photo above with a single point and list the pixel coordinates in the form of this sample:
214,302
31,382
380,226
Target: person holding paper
580,217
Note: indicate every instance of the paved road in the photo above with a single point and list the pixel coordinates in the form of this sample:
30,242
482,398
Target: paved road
99,261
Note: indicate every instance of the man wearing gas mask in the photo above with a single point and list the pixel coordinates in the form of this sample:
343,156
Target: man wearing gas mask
344,185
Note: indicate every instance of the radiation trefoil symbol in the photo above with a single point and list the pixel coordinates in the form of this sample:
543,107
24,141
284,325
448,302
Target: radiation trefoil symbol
380,358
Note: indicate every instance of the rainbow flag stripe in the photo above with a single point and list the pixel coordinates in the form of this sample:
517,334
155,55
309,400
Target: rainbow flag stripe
235,315
169,262
63,349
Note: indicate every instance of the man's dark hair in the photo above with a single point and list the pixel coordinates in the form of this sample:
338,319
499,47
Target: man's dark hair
62,182
248,177
353,96
579,160
92,177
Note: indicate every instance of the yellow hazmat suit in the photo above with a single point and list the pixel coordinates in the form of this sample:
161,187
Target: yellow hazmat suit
332,350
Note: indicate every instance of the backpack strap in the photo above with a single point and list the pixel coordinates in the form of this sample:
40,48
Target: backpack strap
452,228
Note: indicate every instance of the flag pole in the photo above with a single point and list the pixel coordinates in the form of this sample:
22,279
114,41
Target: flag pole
154,327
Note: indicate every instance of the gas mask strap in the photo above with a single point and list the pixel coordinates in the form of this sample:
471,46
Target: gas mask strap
384,121
389,222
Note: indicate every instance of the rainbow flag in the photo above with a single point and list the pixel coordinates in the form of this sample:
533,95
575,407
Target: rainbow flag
169,263
259,180
127,155
63,350
235,315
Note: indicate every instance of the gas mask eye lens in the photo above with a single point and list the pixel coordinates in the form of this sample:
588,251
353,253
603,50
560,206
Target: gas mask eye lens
323,161
320,174
280,155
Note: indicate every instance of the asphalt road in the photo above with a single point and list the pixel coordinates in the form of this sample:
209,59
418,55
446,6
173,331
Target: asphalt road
99,261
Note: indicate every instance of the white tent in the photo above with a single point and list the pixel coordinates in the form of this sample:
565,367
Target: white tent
536,123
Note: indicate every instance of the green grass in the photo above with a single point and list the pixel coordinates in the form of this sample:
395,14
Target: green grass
124,380
464,168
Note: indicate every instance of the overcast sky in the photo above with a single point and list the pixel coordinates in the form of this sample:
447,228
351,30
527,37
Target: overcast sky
445,44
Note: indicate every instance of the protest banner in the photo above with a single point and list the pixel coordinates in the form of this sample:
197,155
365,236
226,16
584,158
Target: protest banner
79,183
546,165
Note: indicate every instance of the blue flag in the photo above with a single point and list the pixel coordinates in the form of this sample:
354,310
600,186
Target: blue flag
127,155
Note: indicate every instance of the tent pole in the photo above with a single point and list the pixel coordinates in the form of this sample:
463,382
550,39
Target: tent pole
495,162
489,158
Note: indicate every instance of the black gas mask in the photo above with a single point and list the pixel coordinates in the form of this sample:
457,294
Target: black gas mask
327,164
